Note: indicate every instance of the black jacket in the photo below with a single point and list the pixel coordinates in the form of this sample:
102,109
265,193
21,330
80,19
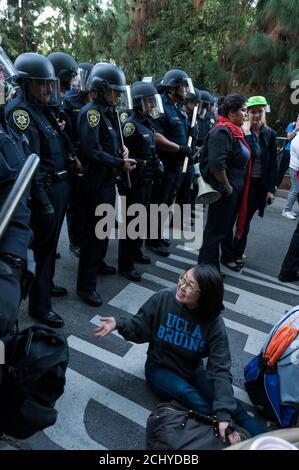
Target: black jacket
268,145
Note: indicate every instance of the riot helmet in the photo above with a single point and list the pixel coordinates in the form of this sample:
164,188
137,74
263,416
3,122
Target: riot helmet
206,98
37,77
84,69
193,99
8,75
107,83
178,79
146,98
65,68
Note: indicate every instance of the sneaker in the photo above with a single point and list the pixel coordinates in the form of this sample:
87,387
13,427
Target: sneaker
288,215
293,213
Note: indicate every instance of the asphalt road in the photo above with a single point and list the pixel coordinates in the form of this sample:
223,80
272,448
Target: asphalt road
106,400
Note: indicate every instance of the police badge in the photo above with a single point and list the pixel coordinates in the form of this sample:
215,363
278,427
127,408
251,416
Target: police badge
93,117
21,119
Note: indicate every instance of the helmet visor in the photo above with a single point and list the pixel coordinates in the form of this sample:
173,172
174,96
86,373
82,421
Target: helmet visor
82,79
186,84
121,96
152,105
7,76
41,92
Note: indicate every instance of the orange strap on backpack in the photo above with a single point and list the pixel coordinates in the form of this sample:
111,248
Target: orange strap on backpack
279,343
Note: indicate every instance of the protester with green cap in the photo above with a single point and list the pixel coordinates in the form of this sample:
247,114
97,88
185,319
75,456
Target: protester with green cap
263,145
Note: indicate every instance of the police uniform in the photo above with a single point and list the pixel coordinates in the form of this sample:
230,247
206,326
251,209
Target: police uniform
75,214
18,236
49,188
101,154
140,140
204,124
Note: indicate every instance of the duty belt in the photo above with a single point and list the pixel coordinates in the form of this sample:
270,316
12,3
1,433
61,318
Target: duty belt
50,178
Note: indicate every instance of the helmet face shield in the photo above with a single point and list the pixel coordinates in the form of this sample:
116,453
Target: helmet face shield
82,79
152,105
41,92
7,76
121,97
187,83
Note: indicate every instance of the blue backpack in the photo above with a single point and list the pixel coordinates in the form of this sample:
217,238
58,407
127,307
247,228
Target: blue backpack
274,390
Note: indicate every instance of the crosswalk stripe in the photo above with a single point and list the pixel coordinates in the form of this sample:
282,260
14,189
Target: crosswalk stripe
69,431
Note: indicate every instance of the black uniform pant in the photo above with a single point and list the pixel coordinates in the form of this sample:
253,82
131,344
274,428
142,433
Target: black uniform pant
92,249
290,265
46,235
165,192
10,297
75,215
232,248
220,221
129,249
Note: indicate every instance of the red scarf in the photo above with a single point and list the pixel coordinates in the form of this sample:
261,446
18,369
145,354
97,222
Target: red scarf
237,133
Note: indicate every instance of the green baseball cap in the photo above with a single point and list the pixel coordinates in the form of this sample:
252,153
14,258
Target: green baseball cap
256,101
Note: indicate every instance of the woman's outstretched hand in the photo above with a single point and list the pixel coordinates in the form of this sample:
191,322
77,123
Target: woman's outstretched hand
108,326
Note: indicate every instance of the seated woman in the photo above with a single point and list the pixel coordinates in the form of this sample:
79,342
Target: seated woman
182,325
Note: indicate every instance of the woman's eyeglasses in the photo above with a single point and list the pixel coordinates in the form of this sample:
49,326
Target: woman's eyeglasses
184,280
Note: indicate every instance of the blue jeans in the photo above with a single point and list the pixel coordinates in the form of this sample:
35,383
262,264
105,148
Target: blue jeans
196,395
294,191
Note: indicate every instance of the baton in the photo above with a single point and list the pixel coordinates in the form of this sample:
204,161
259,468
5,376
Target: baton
122,146
195,110
17,191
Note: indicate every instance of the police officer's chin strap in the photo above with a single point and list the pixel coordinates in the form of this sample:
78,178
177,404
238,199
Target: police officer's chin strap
176,95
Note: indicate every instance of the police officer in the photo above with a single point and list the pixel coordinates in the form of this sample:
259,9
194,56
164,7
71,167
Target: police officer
140,140
191,100
30,115
65,68
171,139
17,237
206,118
72,106
101,152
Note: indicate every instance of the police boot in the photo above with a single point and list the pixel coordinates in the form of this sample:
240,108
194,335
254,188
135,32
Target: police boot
51,319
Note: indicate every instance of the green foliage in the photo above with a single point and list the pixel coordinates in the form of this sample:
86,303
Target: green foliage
225,45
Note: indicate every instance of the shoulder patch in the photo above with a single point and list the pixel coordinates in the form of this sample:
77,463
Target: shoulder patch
123,117
129,129
93,117
155,114
212,121
21,119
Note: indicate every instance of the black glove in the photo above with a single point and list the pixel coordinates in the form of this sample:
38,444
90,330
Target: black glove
159,169
47,213
193,133
184,151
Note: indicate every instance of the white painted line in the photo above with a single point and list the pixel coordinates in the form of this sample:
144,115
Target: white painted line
158,280
131,363
168,267
182,259
240,276
255,338
270,278
187,248
131,298
69,430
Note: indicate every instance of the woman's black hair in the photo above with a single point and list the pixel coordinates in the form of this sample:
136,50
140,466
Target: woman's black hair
220,102
233,103
211,286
